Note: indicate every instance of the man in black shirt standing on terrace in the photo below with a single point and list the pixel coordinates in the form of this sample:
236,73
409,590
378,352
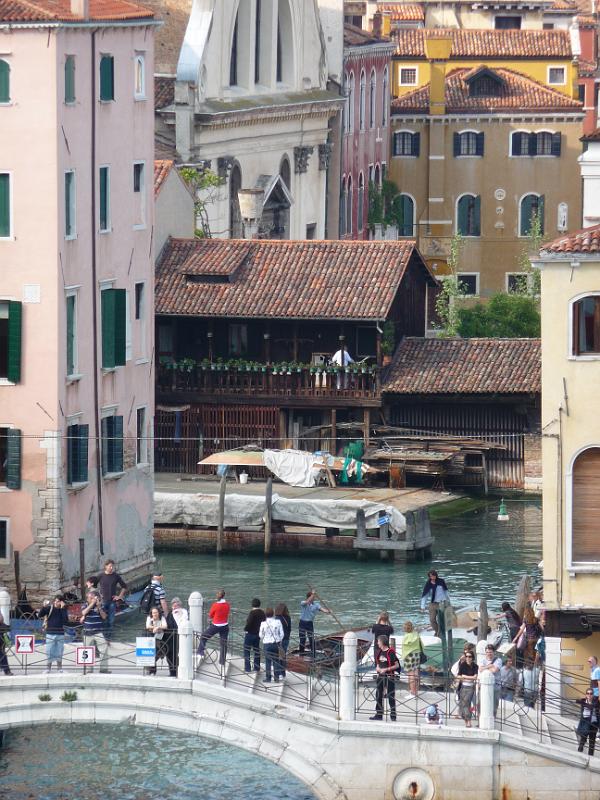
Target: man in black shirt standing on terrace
112,588
251,638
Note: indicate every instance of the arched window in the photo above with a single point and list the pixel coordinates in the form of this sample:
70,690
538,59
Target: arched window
385,98
343,208
285,172
531,208
372,99
519,143
468,215
351,99
361,204
236,229
377,176
406,143
349,200
257,43
585,505
4,81
345,114
363,92
404,214
285,43
233,57
468,143
544,143
586,326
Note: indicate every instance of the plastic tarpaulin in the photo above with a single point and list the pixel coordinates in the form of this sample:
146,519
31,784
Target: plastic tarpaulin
201,510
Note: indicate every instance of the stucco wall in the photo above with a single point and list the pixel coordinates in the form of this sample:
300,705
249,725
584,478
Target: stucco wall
174,212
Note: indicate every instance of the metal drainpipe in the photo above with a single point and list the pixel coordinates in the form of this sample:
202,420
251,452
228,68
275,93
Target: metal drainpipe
95,305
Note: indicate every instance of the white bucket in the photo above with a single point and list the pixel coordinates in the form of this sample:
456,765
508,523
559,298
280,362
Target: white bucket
243,477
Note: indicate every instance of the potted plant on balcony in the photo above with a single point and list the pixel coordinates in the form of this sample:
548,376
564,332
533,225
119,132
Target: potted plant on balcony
387,342
187,364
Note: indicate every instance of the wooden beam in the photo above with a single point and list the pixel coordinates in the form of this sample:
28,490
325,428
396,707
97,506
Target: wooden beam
268,515
367,426
333,440
221,522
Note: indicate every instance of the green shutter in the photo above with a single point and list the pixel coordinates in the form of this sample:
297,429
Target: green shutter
77,453
4,82
104,424
117,444
13,458
476,216
70,79
103,198
4,204
463,209
120,326
107,308
70,334
107,78
540,211
15,313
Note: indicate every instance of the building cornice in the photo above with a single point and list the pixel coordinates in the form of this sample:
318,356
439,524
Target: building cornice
369,50
490,117
87,24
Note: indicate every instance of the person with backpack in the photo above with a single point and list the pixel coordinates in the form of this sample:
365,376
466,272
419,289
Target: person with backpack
387,667
154,596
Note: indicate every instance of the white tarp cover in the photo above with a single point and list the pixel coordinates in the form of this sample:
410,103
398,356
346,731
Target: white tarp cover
293,467
201,510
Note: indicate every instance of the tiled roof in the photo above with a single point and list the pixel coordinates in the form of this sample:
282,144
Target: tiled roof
60,10
471,43
586,21
357,37
168,39
574,6
594,136
403,12
465,366
161,171
584,241
517,92
276,279
587,69
164,92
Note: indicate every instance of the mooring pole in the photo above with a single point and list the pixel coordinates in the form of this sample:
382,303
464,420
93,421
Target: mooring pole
221,527
268,515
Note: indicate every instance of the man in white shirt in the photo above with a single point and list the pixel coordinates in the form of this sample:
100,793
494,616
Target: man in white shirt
271,635
594,675
342,358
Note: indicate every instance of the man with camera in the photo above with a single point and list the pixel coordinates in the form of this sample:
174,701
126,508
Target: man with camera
55,617
93,619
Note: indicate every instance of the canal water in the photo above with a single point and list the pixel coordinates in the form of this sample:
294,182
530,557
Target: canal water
478,556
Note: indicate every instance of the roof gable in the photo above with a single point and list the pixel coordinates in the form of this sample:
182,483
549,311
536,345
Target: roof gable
350,280
490,44
584,241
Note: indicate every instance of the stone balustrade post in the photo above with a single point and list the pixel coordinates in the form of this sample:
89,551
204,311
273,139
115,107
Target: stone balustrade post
196,606
348,678
185,667
480,649
553,668
5,604
486,701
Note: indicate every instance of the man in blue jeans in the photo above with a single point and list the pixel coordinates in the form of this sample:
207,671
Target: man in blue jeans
112,588
251,637
309,609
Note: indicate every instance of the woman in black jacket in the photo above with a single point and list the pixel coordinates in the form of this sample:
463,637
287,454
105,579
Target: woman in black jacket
588,721
283,615
4,631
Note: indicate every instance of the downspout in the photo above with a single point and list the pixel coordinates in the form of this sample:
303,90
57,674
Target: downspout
95,304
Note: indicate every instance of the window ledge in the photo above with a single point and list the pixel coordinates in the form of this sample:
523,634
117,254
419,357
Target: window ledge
77,487
108,370
76,376
6,382
5,488
591,357
113,476
102,232
7,238
7,105
141,227
140,361
106,102
71,238
143,465
591,568
468,155
140,97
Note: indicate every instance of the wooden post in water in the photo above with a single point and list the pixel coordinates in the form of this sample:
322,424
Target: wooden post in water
82,567
361,532
17,575
482,625
268,515
221,522
522,595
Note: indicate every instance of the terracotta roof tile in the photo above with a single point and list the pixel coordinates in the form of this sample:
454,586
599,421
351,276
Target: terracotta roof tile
60,10
583,241
465,366
594,136
403,12
587,69
516,92
164,92
161,170
471,43
277,279
357,37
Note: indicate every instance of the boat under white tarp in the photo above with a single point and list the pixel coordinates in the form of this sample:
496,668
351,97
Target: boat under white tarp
242,510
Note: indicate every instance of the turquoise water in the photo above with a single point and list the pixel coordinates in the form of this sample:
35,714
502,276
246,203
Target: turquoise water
477,555
103,762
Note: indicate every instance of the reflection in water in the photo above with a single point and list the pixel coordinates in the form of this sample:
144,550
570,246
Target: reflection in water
103,762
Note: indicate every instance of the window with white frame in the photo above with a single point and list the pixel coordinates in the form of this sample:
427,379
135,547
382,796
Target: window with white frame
408,76
372,99
586,326
70,205
385,98
112,444
104,205
517,282
406,143
351,99
4,82
139,77
468,143
141,437
557,76
4,539
140,318
585,507
469,283
349,209
6,222
72,354
343,208
11,440
361,203
139,194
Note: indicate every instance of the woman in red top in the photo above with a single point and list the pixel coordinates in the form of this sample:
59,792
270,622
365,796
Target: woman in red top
219,623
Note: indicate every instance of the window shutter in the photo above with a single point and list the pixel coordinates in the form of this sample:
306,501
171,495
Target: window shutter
107,306
416,144
456,141
4,204
540,212
103,198
15,312
525,221
120,330
4,82
462,221
555,146
476,216
396,144
576,323
532,144
70,79
105,433
516,140
13,458
117,445
83,432
107,78
479,144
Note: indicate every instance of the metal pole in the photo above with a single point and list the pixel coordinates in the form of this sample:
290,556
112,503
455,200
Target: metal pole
222,489
82,567
268,515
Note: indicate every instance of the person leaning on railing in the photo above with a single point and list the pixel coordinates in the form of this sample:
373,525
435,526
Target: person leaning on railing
176,616
156,626
589,721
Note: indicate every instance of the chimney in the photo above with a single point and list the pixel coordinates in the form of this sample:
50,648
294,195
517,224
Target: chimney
251,209
80,8
382,25
437,52
589,164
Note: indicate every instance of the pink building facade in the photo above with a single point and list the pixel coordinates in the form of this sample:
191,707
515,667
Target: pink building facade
588,70
365,126
76,290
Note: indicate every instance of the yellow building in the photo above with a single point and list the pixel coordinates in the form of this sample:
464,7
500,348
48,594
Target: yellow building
479,150
570,303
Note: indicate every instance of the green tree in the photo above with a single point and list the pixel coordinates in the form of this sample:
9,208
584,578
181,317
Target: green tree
529,281
204,184
503,316
451,290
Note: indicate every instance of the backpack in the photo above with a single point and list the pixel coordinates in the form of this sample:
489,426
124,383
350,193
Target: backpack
148,599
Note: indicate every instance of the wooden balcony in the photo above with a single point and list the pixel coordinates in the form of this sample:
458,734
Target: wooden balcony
300,385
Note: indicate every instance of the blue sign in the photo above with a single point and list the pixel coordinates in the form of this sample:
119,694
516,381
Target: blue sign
384,520
145,651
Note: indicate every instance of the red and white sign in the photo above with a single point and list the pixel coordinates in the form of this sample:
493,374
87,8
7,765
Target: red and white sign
86,656
24,644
